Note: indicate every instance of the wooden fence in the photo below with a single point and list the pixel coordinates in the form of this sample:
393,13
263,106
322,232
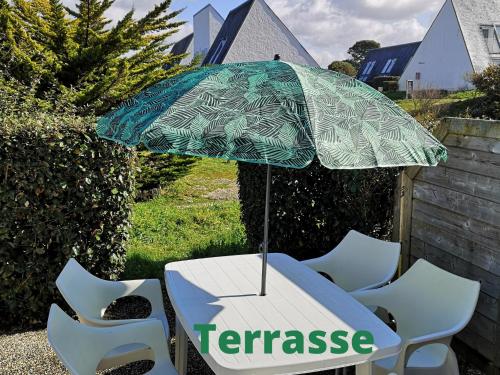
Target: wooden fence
450,215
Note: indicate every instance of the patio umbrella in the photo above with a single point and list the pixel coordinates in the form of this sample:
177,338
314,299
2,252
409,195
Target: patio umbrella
275,113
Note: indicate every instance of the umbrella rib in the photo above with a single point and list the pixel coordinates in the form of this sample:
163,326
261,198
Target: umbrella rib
311,138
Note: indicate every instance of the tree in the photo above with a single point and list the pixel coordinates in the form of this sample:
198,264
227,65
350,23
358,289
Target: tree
343,67
488,82
78,53
360,49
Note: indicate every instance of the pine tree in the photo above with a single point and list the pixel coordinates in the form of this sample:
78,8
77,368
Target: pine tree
81,54
21,55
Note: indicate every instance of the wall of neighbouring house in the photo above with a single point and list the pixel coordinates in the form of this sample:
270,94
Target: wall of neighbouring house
263,35
450,215
442,58
206,25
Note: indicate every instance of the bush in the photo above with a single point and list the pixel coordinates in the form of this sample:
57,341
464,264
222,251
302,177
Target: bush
157,171
488,82
388,83
314,208
343,67
63,193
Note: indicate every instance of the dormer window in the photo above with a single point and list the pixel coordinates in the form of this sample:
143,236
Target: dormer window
491,35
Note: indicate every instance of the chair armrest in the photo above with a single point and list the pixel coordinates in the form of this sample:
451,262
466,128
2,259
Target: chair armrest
148,288
431,338
148,332
109,322
372,297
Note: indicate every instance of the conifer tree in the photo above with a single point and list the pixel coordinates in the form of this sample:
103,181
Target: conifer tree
81,54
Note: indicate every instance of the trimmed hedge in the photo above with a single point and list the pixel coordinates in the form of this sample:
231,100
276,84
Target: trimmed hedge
313,209
388,83
63,193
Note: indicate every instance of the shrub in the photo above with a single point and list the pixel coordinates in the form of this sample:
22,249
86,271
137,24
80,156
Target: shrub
343,67
314,208
488,82
388,83
156,171
63,193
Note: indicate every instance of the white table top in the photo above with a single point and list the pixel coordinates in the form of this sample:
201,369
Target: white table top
224,291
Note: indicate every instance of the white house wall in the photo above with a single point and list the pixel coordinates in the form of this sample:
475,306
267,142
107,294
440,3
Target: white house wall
442,58
206,25
263,35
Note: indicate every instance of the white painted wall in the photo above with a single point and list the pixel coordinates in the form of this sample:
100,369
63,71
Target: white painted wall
442,58
263,35
206,25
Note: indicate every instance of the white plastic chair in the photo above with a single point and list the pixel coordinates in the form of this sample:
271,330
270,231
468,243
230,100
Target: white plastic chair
89,297
81,348
430,305
359,262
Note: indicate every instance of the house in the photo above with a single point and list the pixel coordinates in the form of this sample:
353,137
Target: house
206,25
386,61
253,32
463,39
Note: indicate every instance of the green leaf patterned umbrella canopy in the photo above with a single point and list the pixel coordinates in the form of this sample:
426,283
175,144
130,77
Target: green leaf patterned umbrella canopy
275,113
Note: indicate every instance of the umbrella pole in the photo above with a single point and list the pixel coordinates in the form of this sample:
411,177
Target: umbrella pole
266,232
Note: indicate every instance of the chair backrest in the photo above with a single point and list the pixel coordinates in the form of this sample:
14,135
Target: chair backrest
86,294
77,346
360,262
427,300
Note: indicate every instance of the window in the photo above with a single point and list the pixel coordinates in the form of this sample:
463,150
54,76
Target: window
372,64
497,32
417,76
218,51
368,67
486,33
386,66
389,65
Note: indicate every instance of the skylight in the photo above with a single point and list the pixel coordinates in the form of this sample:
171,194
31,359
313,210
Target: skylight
386,66
389,65
218,51
369,67
393,62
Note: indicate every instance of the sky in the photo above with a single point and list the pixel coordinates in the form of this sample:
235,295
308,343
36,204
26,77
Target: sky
326,28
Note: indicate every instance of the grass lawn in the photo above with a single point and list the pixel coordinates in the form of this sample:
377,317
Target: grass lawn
198,215
454,103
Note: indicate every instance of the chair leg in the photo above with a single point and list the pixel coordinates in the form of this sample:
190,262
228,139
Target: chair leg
364,369
180,348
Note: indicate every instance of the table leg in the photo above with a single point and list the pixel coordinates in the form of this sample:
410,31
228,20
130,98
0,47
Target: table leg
180,348
364,369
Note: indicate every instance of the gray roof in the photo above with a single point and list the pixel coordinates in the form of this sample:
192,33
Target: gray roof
182,45
471,14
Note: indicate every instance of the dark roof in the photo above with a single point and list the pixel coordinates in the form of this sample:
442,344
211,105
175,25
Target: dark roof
182,45
227,34
386,61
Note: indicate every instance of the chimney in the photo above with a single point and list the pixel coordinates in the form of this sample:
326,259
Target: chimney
206,25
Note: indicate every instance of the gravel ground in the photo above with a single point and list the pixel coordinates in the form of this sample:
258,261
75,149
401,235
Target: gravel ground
23,353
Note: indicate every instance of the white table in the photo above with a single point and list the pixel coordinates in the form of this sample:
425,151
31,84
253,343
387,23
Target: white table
224,291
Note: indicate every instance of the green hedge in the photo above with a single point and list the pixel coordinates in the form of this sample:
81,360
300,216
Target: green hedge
63,193
388,83
314,208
